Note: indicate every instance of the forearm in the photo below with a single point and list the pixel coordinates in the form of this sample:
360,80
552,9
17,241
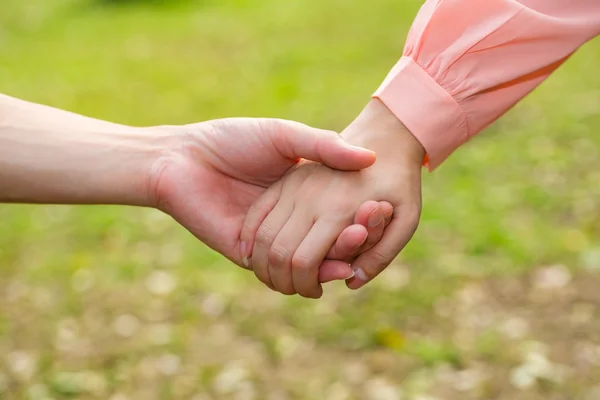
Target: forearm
53,156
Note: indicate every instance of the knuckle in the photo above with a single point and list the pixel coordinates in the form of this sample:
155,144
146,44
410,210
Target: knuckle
381,259
301,261
264,235
279,255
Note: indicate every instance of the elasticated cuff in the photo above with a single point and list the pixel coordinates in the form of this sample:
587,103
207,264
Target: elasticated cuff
426,109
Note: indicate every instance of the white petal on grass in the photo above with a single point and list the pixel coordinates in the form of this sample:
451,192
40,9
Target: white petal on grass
168,364
515,327
553,277
522,378
126,325
161,283
471,295
380,389
468,380
67,329
213,305
230,377
538,365
22,364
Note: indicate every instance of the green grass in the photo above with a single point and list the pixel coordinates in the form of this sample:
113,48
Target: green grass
521,196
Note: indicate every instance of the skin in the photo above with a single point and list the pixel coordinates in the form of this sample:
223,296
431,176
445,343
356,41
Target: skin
210,191
294,224
205,175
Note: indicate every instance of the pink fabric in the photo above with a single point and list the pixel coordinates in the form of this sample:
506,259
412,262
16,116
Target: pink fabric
467,62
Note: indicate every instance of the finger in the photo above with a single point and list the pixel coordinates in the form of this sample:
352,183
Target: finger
254,218
349,240
368,265
334,270
310,255
355,240
388,212
377,221
283,248
265,236
295,140
348,246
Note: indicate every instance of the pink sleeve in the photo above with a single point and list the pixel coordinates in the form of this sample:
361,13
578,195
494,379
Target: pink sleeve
466,62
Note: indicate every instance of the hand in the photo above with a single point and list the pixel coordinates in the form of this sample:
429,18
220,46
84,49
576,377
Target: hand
296,221
369,224
205,175
212,172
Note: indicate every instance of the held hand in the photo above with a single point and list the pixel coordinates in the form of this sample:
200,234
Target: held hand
212,172
296,221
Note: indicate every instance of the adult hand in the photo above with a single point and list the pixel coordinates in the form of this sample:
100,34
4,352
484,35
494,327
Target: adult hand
205,175
212,172
293,225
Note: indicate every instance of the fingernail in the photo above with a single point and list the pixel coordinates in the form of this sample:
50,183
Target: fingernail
375,218
351,275
244,255
360,274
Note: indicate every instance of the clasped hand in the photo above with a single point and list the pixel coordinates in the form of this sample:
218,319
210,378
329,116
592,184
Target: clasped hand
289,230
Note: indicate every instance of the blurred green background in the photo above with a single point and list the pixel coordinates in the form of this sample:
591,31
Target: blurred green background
495,298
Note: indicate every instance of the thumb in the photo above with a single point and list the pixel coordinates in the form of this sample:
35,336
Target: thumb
295,140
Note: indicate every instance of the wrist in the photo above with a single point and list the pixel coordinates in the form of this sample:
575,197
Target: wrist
140,156
171,148
378,129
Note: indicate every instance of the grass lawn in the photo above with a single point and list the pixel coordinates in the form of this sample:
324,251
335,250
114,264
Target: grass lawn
495,298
